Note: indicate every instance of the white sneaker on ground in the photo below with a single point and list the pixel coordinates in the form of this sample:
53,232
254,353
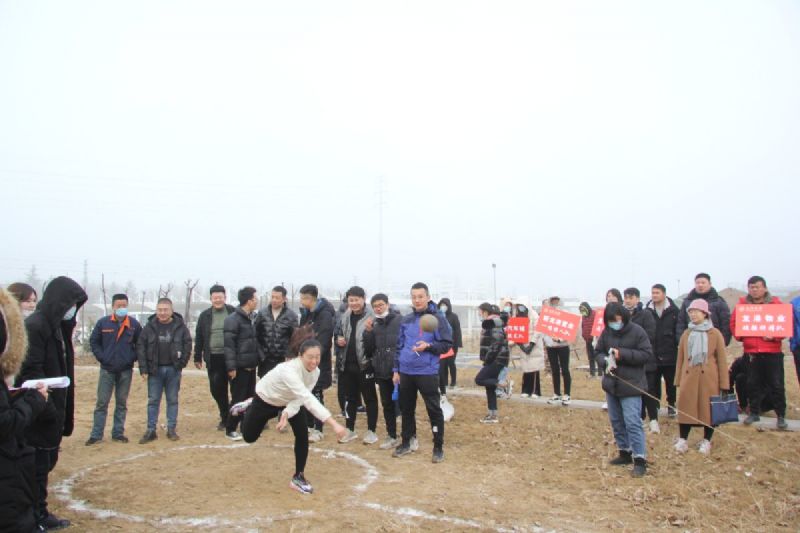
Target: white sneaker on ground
239,408
565,400
349,437
604,407
370,438
414,444
389,443
314,435
654,427
525,395
681,446
534,396
489,419
704,447
234,436
555,399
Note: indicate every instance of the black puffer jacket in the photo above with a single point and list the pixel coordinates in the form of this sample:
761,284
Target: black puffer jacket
273,334
455,324
380,344
202,334
634,352
494,343
665,345
241,346
646,319
51,355
147,348
720,313
321,320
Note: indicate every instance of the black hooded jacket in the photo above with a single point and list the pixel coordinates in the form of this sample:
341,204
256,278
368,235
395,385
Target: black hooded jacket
665,345
51,355
647,320
241,347
380,344
494,343
628,379
147,348
718,307
455,324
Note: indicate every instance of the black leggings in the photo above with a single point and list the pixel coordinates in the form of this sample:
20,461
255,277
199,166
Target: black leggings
590,356
487,377
390,412
668,373
243,386
256,418
532,383
356,384
447,368
684,430
559,366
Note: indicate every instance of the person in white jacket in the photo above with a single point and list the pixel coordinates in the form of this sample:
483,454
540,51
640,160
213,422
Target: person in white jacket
285,392
532,356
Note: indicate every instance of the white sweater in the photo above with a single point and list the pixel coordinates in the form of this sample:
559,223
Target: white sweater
289,385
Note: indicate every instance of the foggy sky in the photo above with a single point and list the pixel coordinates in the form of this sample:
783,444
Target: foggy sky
577,145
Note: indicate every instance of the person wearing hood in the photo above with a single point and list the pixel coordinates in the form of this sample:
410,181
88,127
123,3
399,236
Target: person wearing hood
17,411
51,355
319,314
26,296
380,343
448,364
718,307
113,341
532,357
622,351
587,321
701,372
164,348
765,377
494,354
416,370
242,354
647,320
558,352
665,343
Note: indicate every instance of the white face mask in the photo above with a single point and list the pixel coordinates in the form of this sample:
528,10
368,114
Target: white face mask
384,314
10,381
70,314
27,312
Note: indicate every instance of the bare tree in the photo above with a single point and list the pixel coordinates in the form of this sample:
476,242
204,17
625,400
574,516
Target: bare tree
164,292
189,289
103,287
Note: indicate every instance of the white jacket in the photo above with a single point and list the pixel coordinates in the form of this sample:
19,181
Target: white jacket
534,361
289,385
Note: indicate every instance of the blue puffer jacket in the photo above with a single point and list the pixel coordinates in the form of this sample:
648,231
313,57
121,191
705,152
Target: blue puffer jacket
424,363
795,340
114,343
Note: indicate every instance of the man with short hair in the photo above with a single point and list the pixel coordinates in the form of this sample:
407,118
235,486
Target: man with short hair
164,348
416,369
665,343
718,307
765,375
645,318
274,327
242,355
209,348
113,343
319,314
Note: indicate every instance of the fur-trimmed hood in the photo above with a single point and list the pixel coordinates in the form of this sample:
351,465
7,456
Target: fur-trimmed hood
14,340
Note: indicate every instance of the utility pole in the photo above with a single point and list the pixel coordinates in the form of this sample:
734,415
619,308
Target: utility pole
494,275
380,233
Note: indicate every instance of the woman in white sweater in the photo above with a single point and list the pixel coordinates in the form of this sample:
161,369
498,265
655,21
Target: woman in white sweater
285,392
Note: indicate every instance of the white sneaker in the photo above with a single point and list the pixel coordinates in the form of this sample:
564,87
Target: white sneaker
234,436
604,407
654,427
414,444
555,399
239,408
565,400
314,435
681,446
370,438
349,437
704,447
534,396
510,388
389,443
524,395
489,419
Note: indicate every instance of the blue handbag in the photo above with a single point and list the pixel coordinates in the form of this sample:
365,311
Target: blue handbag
724,409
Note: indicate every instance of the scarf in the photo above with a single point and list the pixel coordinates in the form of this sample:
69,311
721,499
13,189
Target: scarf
698,342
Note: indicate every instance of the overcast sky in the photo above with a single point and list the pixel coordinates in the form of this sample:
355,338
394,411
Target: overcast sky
577,145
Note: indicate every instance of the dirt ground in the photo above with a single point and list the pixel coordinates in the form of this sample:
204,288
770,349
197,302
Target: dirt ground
540,469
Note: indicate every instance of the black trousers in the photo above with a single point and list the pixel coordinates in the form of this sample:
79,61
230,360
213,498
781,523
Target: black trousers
386,388
243,386
765,380
666,372
684,429
311,422
590,356
428,388
256,418
267,365
532,383
46,460
447,368
218,383
796,354
487,377
559,366
357,384
650,405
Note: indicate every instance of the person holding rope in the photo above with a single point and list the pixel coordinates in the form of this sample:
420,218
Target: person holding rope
623,350
701,372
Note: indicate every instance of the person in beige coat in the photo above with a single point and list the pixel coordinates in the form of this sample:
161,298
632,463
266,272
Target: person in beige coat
531,355
701,372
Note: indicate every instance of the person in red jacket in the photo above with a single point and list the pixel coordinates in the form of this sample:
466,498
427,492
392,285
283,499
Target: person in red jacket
765,375
587,321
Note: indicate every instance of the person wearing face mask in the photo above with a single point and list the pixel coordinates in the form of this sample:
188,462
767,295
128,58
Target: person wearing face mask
587,321
646,318
622,351
113,343
51,355
448,364
26,296
558,352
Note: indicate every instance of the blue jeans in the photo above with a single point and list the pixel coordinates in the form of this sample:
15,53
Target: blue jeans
120,384
627,424
166,379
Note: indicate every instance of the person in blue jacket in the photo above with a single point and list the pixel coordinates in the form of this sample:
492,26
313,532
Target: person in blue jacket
416,369
794,342
113,343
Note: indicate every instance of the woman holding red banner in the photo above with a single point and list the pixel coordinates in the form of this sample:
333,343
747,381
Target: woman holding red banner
532,357
494,354
558,352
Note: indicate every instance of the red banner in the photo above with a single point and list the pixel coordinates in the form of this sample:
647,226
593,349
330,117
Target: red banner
598,326
768,320
558,324
518,330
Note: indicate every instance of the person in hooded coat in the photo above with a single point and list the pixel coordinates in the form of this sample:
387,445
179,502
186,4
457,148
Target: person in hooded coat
495,355
447,367
532,357
17,411
50,355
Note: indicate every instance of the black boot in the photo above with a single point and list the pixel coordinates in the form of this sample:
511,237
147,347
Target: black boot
639,467
624,458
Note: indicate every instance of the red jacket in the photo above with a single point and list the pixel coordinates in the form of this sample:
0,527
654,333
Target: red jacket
586,325
757,344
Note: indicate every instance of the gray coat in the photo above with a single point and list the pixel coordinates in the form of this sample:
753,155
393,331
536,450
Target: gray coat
344,324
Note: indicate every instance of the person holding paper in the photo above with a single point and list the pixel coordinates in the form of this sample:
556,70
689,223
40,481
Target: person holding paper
558,352
51,355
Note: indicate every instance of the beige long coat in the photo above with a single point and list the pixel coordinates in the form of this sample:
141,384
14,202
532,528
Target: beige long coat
697,384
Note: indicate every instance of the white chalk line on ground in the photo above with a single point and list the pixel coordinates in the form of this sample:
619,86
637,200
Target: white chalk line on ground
64,492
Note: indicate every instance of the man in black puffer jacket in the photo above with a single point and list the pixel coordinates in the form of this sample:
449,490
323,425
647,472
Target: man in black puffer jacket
622,351
274,327
494,354
720,312
665,345
242,354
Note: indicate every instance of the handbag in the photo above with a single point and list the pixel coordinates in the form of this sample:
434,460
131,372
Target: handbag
724,409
